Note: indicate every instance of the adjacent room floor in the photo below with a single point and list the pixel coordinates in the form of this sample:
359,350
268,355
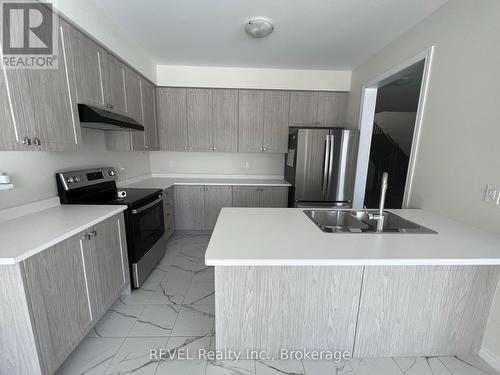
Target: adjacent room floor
175,309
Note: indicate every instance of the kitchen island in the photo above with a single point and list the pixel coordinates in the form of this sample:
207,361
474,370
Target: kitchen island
280,282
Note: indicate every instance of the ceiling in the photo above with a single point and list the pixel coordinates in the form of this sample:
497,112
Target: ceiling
309,34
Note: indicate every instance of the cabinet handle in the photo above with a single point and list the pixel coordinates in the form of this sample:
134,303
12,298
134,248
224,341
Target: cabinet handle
37,142
26,141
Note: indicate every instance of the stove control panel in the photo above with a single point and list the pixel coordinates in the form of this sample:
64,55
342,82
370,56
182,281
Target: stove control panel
76,179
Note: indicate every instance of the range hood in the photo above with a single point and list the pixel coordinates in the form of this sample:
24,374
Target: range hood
97,118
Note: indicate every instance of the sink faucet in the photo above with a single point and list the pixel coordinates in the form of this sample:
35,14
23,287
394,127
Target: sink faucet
380,216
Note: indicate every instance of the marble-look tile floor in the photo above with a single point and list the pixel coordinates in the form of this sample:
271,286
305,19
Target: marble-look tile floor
174,311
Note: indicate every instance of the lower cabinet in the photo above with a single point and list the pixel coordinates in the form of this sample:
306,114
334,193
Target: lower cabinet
198,207
63,291
216,198
168,211
260,196
107,271
189,202
60,301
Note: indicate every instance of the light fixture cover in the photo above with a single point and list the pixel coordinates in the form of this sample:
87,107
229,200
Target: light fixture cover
259,27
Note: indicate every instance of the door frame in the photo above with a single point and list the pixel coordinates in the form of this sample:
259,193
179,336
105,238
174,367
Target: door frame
367,115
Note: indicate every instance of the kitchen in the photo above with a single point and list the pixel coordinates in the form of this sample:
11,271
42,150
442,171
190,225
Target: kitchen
215,148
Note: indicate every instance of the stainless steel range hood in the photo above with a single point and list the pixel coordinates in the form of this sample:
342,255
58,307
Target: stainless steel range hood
97,118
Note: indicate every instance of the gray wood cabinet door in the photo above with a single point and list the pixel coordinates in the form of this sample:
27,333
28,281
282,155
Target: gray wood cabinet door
113,76
84,57
172,119
273,196
331,108
225,120
189,207
59,299
42,101
251,120
10,133
216,198
246,196
199,121
109,256
303,108
168,211
276,111
133,94
149,115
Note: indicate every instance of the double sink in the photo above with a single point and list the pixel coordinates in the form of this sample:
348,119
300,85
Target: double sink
359,221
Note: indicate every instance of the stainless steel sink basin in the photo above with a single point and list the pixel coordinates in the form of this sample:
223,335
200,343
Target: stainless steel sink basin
336,220
347,221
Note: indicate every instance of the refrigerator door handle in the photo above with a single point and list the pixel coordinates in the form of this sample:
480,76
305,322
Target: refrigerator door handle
330,161
326,167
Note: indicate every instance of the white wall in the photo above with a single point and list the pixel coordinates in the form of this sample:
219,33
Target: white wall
250,78
86,15
33,173
459,149
217,163
399,126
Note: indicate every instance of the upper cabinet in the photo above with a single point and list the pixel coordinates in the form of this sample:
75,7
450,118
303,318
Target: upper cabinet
331,108
149,115
41,106
303,107
199,119
99,79
276,109
203,120
84,59
251,120
311,108
113,80
133,95
263,121
172,119
225,120
9,131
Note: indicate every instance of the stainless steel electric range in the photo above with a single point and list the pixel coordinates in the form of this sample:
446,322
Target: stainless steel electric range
143,217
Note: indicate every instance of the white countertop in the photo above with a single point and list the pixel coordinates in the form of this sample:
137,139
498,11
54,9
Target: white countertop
27,235
166,182
286,236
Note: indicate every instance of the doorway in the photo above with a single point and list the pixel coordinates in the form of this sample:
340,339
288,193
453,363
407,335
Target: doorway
392,107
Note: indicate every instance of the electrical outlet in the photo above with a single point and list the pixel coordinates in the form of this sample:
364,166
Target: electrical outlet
492,194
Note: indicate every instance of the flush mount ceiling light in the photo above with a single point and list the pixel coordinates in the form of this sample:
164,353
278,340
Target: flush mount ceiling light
259,27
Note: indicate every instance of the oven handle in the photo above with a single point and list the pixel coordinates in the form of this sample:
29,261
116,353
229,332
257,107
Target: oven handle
149,205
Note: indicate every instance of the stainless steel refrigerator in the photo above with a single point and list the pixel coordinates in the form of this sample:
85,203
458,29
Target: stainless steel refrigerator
321,166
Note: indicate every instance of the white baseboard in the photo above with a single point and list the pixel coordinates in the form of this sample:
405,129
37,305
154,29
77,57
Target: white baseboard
490,358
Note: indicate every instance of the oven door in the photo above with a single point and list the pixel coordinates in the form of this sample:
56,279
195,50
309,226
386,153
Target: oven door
147,227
